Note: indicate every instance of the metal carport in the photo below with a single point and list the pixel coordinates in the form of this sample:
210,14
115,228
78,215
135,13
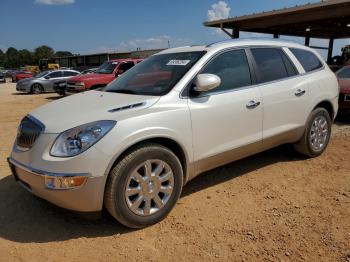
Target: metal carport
326,20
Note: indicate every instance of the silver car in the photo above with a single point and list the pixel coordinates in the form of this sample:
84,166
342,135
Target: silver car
44,82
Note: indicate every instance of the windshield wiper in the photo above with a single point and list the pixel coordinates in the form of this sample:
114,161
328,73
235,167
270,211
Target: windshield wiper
122,91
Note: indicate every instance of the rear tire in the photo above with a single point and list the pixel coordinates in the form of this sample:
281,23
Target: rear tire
316,135
144,186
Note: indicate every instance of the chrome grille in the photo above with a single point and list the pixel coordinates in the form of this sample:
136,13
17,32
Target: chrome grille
28,132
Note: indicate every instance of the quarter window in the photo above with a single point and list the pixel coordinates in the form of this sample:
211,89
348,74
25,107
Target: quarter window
233,69
270,64
307,59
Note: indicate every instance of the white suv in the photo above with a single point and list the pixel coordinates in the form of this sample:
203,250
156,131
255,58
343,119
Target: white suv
132,146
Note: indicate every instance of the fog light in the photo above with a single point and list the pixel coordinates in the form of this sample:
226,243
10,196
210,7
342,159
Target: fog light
67,182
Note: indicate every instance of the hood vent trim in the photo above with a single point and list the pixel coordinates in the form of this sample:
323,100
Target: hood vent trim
126,107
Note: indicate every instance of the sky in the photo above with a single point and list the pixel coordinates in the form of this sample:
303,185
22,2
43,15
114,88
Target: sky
90,26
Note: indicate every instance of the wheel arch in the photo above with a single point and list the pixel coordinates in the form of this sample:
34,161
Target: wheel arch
328,106
167,142
37,83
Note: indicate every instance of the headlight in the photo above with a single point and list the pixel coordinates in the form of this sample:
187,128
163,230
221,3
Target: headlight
80,84
78,139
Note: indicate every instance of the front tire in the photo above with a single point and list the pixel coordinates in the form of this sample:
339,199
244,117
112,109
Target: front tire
36,89
316,135
144,186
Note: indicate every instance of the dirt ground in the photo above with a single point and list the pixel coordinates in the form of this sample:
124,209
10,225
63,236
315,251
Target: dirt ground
274,206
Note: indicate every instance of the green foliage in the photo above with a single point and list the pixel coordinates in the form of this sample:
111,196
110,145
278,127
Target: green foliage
43,52
2,58
63,53
26,57
14,58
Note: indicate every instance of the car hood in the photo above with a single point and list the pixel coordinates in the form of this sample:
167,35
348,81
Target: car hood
79,78
344,85
90,106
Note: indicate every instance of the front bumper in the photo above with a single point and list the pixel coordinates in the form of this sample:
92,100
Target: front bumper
22,88
86,198
74,88
344,104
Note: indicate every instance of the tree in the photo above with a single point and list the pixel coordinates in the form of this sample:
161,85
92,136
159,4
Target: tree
12,58
63,53
43,52
2,58
26,57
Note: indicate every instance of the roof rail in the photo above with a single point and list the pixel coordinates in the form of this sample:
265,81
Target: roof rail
219,42
250,38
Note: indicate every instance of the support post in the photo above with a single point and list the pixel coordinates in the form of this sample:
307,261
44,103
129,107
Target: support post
330,50
225,31
307,40
235,33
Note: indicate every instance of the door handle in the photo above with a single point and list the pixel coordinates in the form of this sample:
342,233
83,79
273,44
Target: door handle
252,104
299,92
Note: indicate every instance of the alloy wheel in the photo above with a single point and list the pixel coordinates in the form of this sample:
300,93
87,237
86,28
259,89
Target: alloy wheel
149,187
36,89
318,133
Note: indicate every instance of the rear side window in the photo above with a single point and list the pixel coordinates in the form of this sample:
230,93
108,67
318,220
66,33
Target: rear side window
233,69
126,66
307,59
70,73
56,74
270,64
291,70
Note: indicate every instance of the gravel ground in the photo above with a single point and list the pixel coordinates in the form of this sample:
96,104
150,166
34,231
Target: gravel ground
274,206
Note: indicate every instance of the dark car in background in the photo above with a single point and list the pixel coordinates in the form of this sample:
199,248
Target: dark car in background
343,76
2,77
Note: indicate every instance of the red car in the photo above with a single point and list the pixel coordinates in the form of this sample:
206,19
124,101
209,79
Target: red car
106,73
344,95
18,75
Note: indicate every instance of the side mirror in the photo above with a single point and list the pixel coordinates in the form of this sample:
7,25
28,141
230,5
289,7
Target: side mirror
47,77
206,82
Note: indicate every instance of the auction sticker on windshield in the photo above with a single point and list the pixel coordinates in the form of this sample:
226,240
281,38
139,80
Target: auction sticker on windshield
178,62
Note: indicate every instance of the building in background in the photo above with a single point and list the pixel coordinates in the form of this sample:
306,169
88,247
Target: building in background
82,62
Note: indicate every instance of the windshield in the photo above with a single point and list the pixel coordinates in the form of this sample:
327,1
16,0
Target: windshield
156,75
106,68
41,74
